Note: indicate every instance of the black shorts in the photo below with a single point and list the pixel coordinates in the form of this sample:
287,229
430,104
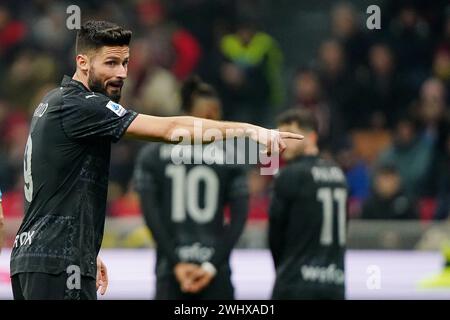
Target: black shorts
220,288
44,286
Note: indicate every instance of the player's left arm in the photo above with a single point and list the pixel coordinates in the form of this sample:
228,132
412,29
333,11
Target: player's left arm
278,215
238,198
150,202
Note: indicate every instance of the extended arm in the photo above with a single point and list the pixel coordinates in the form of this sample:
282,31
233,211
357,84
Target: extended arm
195,130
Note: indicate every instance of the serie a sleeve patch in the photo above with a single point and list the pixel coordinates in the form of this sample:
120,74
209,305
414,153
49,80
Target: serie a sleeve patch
116,108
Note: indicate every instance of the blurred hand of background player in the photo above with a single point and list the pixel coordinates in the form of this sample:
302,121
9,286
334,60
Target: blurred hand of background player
183,272
102,276
192,277
199,280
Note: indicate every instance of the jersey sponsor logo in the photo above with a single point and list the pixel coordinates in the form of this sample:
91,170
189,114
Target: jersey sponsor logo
23,239
333,174
116,108
195,252
326,275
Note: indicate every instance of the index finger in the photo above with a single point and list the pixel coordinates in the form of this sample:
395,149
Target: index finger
290,135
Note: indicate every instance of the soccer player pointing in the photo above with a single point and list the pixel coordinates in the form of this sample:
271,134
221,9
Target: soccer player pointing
66,167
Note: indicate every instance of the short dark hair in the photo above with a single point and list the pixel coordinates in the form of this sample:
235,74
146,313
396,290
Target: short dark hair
304,118
95,34
194,88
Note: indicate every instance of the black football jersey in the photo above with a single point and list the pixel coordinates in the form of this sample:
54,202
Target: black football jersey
307,227
66,166
184,203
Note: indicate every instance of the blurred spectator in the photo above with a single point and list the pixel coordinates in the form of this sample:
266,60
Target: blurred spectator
126,205
15,134
308,93
12,33
441,66
48,27
386,93
258,210
388,200
432,111
150,88
411,154
441,175
433,116
7,174
357,174
13,200
258,187
340,86
346,28
13,204
410,37
250,74
208,21
171,47
122,163
29,70
368,144
441,62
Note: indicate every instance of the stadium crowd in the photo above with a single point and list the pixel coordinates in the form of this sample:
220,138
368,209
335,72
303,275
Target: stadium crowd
381,96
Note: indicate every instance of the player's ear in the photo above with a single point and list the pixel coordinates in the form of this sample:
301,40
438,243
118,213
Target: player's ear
215,112
314,137
82,62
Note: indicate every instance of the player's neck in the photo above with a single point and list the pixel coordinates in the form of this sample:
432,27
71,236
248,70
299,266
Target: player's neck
78,76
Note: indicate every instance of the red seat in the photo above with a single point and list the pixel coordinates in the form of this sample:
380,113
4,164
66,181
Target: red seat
427,208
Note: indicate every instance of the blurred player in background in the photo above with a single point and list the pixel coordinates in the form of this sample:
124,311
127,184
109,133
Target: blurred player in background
307,225
183,206
2,224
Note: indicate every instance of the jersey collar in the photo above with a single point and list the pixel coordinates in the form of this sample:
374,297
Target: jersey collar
68,81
